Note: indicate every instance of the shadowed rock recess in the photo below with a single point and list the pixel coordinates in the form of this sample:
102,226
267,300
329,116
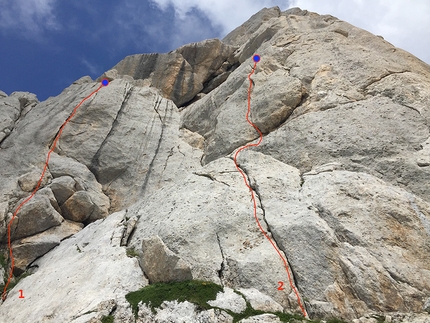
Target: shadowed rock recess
142,187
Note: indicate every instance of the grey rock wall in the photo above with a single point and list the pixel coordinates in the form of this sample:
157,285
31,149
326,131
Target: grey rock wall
341,179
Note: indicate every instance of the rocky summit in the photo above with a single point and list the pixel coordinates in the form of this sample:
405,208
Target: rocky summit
142,215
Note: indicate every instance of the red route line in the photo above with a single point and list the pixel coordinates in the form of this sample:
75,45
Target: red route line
104,82
252,191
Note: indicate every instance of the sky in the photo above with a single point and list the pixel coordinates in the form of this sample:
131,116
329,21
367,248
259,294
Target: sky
45,45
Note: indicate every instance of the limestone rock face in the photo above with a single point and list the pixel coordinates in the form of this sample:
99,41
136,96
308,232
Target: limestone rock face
229,300
146,165
29,181
259,301
63,187
89,190
3,218
181,312
162,265
36,216
344,224
105,275
29,249
78,207
269,318
241,34
207,221
125,138
183,73
12,108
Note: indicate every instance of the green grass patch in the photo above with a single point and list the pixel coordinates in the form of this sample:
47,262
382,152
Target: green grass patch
248,312
379,318
193,291
199,293
108,319
286,317
131,252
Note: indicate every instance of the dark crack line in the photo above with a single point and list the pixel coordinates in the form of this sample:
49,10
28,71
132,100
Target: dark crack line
255,188
222,267
278,245
22,113
393,98
160,139
7,135
412,108
179,150
113,310
95,159
302,182
381,78
167,159
201,160
211,177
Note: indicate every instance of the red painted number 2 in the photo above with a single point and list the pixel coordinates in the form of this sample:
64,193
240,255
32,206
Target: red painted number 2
21,294
281,286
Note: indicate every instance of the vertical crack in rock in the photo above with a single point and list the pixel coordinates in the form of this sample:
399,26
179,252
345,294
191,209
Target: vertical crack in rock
160,139
95,160
278,245
254,187
257,193
302,182
167,159
202,163
222,267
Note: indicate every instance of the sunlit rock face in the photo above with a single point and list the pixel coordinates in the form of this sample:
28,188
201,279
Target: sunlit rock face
142,188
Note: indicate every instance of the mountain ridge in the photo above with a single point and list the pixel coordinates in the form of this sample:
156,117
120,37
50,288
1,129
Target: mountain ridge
340,178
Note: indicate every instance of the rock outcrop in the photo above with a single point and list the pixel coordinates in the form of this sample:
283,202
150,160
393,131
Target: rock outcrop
142,187
182,74
161,264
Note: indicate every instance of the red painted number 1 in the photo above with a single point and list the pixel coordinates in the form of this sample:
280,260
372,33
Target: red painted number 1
21,294
281,286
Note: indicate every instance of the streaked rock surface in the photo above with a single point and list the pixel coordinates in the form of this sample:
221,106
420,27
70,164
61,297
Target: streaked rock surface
145,168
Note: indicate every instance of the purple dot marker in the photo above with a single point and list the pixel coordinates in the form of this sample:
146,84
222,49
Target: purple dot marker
256,58
105,82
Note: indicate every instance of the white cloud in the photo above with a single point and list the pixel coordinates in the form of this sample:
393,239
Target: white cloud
404,24
27,16
92,68
227,14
